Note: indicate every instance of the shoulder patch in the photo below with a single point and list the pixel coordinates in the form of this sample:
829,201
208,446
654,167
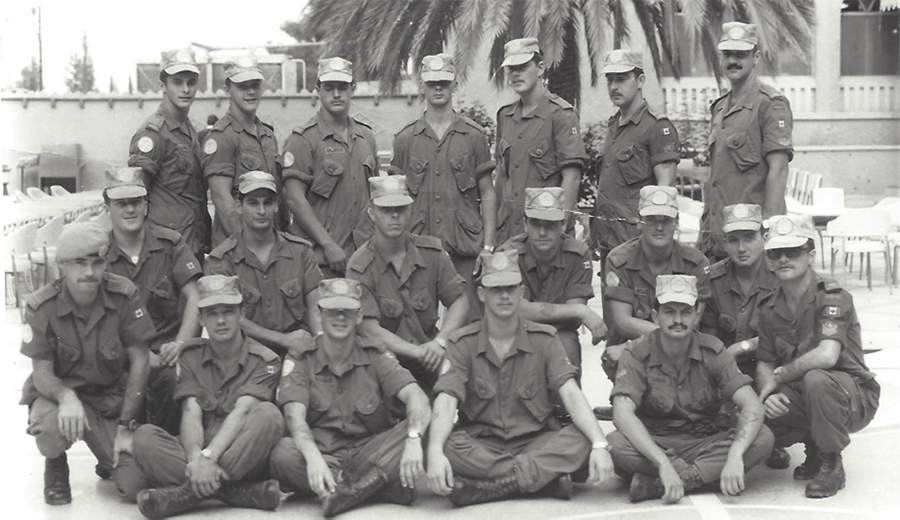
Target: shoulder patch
305,126
155,122
361,259
120,284
145,144
711,342
533,326
560,102
427,241
468,330
258,349
43,295
719,268
621,253
294,238
573,245
210,146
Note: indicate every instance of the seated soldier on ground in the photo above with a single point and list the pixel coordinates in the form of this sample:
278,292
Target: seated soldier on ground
500,375
228,424
336,396
812,374
666,438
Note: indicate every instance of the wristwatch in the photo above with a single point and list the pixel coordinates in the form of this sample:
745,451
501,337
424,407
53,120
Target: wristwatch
601,445
442,342
207,453
130,425
413,434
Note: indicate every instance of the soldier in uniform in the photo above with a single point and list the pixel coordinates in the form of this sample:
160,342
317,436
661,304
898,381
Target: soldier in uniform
669,388
239,143
167,149
86,334
327,162
538,140
812,375
161,266
336,396
500,374
641,149
460,205
404,277
229,424
556,271
278,272
749,142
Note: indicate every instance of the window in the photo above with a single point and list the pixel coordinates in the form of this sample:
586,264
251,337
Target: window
870,39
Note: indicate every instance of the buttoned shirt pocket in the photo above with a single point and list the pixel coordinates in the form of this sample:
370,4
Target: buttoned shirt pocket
185,165
463,171
249,162
534,396
484,392
784,350
416,174
112,356
163,302
391,310
320,399
544,161
703,400
641,303
742,151
469,231
294,299
251,297
727,323
632,162
326,177
370,411
660,402
425,309
67,357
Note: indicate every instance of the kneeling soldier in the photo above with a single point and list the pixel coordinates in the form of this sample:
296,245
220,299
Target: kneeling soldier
228,425
336,396
502,372
812,375
668,391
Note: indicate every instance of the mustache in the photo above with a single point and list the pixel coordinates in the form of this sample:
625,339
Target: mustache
677,326
734,66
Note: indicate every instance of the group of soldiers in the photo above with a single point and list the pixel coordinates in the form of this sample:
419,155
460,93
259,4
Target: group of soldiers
366,332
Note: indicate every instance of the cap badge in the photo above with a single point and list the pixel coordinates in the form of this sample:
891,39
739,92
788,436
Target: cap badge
678,285
245,62
500,262
545,199
340,287
392,183
741,211
784,227
183,56
659,198
436,64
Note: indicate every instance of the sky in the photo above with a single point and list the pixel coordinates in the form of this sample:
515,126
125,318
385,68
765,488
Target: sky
120,33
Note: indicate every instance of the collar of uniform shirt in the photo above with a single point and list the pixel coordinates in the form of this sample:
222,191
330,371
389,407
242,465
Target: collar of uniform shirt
658,356
637,262
329,131
65,304
151,243
637,115
542,110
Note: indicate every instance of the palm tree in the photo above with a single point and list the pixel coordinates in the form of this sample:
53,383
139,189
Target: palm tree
384,35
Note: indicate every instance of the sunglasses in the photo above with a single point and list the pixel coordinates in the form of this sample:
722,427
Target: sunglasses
334,313
791,252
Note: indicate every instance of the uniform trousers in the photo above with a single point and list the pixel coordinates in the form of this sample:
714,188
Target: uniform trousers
827,405
162,459
464,266
536,458
708,454
383,450
162,410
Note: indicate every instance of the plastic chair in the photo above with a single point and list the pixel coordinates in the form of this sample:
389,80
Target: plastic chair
36,193
826,203
689,213
17,265
21,197
864,232
892,208
84,216
58,191
43,257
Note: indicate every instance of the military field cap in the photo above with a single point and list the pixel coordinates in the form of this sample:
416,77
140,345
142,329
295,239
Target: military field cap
125,183
180,60
218,289
81,239
243,69
257,180
658,200
742,217
737,36
545,203
500,269
335,69
389,191
623,60
679,288
339,293
439,67
787,231
517,52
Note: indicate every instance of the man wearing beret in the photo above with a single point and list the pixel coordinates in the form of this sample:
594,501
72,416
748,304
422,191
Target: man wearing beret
404,277
556,272
337,396
641,149
239,143
538,140
812,374
167,150
327,162
668,391
447,162
499,375
278,272
750,142
229,424
87,335
161,266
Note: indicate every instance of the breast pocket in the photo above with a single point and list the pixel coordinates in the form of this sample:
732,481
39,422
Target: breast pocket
67,357
163,302
248,162
370,411
481,391
784,350
463,171
640,305
660,402
416,173
542,159
633,164
425,308
185,167
294,299
319,399
326,177
742,150
251,297
112,356
534,397
391,310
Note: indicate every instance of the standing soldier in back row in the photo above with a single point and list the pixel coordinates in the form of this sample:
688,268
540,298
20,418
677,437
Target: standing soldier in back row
167,149
749,142
538,140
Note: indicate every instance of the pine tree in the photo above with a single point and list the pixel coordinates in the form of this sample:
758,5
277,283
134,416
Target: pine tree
81,70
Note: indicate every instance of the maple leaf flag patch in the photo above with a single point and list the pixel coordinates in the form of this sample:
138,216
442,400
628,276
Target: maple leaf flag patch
139,313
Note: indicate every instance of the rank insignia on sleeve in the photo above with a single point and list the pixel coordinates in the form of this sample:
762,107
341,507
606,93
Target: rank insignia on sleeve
139,313
785,141
145,144
829,328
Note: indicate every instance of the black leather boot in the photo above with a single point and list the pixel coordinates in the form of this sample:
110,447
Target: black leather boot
645,487
349,495
559,488
779,459
810,467
395,493
470,491
251,495
169,501
56,481
830,479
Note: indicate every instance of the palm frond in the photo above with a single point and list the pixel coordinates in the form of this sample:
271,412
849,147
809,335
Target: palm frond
469,33
553,30
594,15
433,29
399,43
644,11
534,11
564,79
619,23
